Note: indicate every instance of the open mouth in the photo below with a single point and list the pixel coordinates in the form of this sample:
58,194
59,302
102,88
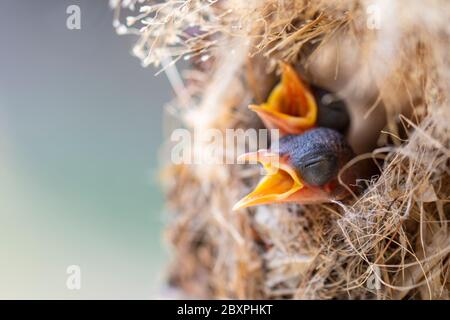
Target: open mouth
291,107
279,183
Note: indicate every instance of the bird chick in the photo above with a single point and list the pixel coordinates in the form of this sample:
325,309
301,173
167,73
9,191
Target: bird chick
293,107
304,169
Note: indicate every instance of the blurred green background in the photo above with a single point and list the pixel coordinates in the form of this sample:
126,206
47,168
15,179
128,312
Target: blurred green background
80,128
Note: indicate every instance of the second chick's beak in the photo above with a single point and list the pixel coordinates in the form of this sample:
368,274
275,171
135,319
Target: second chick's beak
303,170
293,107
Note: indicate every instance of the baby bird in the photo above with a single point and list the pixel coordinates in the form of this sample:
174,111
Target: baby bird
304,170
312,150
293,108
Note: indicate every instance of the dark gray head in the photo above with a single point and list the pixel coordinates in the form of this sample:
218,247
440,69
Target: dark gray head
317,154
332,111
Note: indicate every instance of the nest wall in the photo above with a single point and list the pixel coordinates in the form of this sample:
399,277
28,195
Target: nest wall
389,60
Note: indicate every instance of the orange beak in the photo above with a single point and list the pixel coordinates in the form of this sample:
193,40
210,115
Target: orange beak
280,184
291,106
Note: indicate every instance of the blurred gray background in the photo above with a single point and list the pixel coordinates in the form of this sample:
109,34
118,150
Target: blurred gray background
80,128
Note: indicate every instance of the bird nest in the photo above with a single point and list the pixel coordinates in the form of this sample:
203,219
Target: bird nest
389,60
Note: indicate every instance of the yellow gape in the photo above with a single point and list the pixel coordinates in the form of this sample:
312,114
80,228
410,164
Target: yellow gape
278,185
291,107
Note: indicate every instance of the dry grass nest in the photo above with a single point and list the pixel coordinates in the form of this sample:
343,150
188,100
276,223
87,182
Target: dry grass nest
390,60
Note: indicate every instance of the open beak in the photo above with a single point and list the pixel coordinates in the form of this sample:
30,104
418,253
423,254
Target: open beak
291,106
279,184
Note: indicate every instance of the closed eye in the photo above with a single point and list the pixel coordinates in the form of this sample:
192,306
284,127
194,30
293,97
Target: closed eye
319,170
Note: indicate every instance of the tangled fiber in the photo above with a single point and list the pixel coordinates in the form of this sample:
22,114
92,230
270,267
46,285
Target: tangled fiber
389,60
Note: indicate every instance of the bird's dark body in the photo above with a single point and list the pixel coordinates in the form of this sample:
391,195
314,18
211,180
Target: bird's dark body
332,111
318,155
